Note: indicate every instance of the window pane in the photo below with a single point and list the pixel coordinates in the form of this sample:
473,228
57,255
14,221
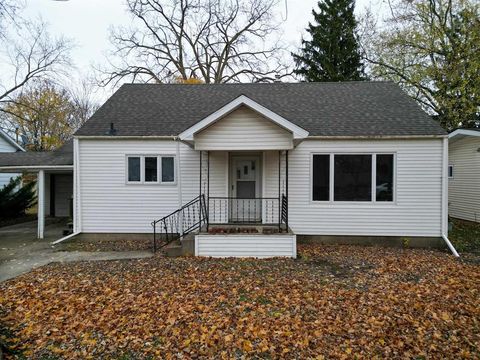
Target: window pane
151,169
384,184
168,169
133,169
353,178
321,177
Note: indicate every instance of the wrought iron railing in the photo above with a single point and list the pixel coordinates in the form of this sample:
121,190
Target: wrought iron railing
179,223
284,212
233,210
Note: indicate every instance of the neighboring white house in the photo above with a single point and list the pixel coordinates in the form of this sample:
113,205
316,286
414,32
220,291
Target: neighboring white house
464,174
333,162
7,145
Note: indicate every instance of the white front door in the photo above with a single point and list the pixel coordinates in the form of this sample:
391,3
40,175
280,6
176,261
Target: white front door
245,205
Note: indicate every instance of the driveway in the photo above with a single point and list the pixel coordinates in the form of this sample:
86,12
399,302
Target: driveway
21,251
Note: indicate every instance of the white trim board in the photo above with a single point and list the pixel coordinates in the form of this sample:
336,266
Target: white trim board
297,131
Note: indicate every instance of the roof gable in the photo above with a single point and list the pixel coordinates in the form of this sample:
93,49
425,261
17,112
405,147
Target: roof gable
242,100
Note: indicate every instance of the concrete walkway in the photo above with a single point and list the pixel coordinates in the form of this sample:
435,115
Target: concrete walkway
21,251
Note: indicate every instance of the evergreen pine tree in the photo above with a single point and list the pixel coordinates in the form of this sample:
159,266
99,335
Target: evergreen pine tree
16,198
332,54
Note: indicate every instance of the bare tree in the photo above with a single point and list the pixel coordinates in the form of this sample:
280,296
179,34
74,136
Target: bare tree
8,13
83,103
215,41
36,56
431,48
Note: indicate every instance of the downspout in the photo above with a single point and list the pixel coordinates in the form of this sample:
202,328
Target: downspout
178,174
445,198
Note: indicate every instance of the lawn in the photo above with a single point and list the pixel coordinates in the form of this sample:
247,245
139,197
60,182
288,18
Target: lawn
465,236
333,302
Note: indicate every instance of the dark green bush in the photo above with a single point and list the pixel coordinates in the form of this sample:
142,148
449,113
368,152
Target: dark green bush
16,198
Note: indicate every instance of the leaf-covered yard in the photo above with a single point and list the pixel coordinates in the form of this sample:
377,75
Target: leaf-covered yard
333,302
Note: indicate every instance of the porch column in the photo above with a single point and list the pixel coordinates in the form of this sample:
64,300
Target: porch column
208,188
41,203
286,186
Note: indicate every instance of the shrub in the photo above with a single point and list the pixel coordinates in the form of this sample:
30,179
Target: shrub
16,198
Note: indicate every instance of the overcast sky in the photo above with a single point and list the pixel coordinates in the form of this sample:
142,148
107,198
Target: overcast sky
87,22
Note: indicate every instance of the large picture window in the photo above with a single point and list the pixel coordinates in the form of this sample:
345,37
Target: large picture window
353,177
150,169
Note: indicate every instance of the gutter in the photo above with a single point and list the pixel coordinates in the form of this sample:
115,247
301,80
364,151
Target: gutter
124,137
376,137
37,167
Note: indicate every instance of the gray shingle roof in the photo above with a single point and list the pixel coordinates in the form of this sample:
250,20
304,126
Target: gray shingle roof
62,156
323,109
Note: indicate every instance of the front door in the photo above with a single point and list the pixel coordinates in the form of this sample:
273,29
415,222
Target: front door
245,205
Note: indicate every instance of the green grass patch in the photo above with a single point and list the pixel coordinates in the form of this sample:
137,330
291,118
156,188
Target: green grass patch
465,236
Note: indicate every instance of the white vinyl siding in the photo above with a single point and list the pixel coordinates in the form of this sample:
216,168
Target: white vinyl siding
416,210
110,205
464,187
260,246
6,147
243,129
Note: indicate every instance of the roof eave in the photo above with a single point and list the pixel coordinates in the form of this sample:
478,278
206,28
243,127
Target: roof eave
463,132
375,137
33,168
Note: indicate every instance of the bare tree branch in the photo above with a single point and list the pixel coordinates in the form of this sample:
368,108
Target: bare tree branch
36,56
212,40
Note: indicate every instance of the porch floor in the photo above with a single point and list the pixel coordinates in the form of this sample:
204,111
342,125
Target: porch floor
252,229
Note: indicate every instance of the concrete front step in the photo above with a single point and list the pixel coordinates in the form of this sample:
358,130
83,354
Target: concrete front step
184,247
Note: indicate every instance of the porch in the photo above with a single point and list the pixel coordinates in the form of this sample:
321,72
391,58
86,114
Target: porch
241,209
244,188
243,181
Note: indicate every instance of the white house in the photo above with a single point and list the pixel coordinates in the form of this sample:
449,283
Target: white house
7,145
332,162
464,174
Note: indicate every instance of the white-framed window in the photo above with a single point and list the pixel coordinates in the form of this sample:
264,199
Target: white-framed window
150,169
450,171
362,177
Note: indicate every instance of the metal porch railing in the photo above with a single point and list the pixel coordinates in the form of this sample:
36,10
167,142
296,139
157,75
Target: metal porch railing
247,211
179,223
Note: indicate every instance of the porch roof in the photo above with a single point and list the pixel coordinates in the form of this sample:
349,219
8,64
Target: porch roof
60,159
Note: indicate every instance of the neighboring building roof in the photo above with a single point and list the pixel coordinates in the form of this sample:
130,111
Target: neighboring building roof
322,109
61,156
11,141
458,134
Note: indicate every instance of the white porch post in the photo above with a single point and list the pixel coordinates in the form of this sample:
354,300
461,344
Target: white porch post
41,203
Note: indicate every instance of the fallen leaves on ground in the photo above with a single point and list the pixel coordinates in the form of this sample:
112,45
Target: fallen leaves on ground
334,302
93,245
